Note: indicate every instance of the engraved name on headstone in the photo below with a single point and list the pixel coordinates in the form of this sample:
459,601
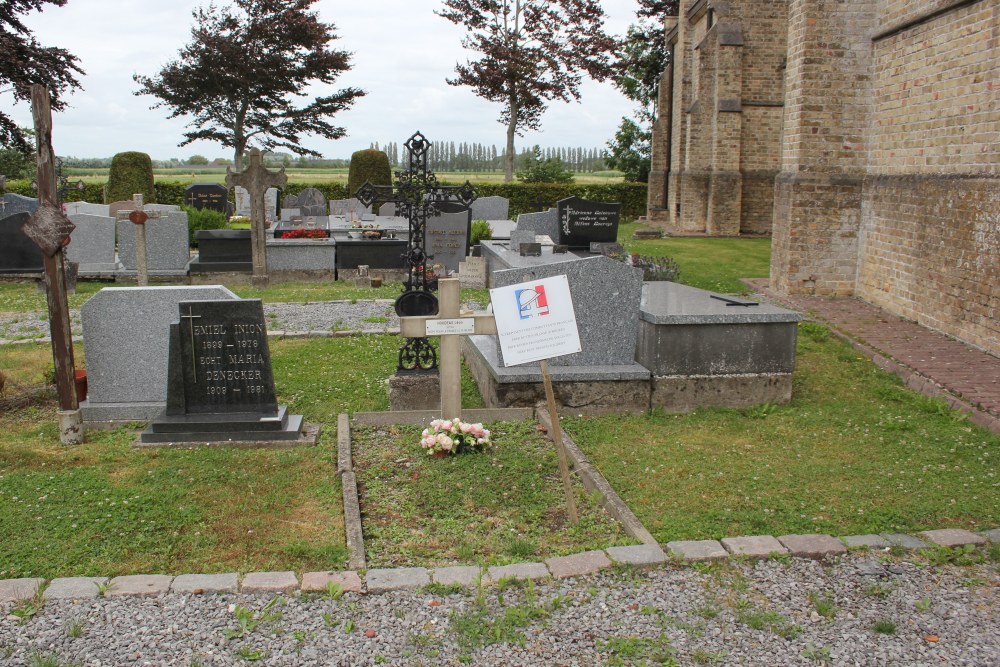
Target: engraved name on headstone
582,222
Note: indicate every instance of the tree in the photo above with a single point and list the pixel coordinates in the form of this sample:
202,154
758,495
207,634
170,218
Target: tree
23,61
645,56
198,160
532,52
239,77
534,169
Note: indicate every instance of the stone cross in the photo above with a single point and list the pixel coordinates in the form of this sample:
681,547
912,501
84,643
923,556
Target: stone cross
50,229
139,217
450,324
256,179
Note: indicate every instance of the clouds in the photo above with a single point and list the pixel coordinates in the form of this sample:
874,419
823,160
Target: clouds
402,51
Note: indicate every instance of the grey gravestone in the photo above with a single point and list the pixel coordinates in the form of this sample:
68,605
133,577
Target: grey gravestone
162,208
290,213
270,203
220,385
213,196
545,223
92,244
86,208
116,207
606,296
18,253
167,244
13,203
501,229
448,234
348,208
310,202
582,222
125,337
388,209
490,208
520,237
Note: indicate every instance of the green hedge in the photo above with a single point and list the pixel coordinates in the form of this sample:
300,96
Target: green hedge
522,196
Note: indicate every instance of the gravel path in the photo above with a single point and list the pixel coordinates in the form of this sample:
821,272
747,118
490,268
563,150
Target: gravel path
370,316
694,615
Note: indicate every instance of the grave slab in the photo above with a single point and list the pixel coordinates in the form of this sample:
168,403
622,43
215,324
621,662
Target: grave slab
519,571
167,245
126,339
92,244
639,555
18,253
211,196
952,537
15,590
86,208
447,234
74,588
490,208
754,546
545,223
582,222
349,581
198,584
813,546
462,575
576,565
13,203
905,541
869,541
269,582
391,579
698,550
138,585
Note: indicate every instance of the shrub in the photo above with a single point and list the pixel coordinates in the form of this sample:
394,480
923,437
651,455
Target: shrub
657,268
131,173
203,218
368,165
480,231
536,170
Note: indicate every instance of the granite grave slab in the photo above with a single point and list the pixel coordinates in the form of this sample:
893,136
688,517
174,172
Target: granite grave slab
582,222
13,203
125,337
490,208
18,253
544,223
92,244
167,250
447,234
211,196
309,202
271,198
86,208
222,250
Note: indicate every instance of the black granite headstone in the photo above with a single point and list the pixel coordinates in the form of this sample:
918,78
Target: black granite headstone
221,250
220,385
13,203
18,253
448,234
212,196
582,222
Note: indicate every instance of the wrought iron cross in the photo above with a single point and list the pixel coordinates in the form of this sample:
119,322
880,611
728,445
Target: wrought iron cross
416,194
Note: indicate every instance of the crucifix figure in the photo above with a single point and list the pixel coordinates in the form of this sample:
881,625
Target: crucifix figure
191,317
256,179
415,195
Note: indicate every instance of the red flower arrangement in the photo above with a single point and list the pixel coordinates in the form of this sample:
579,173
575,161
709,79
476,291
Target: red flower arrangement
302,233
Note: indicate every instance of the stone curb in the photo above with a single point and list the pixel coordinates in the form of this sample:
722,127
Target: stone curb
410,578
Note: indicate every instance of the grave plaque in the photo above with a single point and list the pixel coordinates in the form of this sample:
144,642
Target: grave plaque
582,222
310,202
18,253
220,385
271,197
213,196
448,234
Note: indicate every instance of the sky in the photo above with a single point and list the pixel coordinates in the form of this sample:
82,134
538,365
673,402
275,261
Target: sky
402,54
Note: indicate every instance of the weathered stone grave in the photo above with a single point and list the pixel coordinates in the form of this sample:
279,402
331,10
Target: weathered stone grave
125,340
167,249
92,245
543,223
582,222
86,208
220,385
211,196
490,208
18,253
243,204
13,203
309,202
448,234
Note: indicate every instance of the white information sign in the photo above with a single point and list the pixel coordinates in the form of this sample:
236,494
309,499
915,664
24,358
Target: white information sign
465,325
535,320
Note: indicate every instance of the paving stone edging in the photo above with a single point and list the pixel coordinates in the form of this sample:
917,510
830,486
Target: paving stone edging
559,567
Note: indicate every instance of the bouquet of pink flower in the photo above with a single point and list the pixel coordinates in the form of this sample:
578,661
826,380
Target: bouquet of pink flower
453,436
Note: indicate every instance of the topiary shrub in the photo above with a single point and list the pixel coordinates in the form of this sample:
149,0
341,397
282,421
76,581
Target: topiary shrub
131,173
369,165
203,218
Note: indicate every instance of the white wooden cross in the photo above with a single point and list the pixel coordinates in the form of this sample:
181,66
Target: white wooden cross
450,324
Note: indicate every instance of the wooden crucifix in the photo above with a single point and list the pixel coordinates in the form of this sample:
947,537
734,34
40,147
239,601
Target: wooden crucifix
450,324
50,229
256,179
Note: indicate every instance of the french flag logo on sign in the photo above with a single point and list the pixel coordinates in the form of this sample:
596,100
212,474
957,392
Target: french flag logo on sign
531,302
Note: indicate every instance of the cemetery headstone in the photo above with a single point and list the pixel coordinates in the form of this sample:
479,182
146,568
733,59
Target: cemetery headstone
116,207
544,222
220,386
125,339
310,202
387,209
211,196
13,203
490,208
92,244
243,205
167,244
86,208
161,208
448,234
519,238
18,253
582,222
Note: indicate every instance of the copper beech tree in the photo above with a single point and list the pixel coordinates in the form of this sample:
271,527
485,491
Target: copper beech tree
241,76
531,52
23,61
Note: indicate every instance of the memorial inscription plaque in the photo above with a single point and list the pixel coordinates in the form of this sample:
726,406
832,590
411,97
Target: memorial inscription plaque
582,222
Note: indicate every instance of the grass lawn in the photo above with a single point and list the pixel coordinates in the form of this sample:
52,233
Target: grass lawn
855,452
499,506
714,264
